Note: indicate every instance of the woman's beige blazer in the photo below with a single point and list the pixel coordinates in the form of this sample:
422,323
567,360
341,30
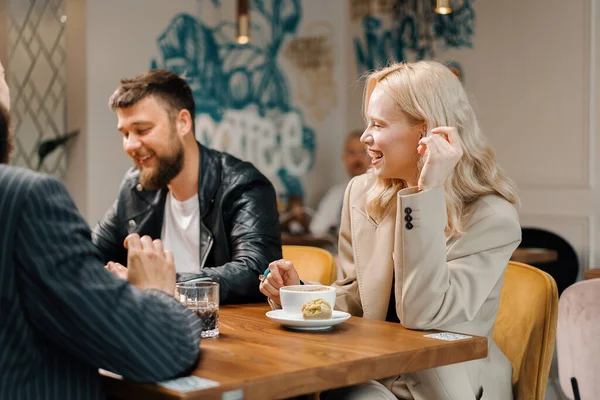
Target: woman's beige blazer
450,284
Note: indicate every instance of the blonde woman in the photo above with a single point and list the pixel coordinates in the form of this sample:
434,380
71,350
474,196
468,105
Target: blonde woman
427,233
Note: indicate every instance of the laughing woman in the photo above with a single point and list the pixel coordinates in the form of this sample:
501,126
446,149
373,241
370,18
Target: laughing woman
427,233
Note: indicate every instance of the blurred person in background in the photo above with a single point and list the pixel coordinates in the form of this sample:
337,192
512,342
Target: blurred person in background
326,220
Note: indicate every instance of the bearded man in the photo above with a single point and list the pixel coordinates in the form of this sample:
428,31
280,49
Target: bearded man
216,213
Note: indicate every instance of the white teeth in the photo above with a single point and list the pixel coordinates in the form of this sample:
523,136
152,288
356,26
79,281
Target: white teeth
145,158
375,155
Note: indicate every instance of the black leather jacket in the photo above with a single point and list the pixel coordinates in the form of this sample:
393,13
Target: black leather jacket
239,227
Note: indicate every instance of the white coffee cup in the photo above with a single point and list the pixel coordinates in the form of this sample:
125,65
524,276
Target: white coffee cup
295,296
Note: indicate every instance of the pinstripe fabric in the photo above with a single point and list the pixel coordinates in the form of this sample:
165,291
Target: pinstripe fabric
62,315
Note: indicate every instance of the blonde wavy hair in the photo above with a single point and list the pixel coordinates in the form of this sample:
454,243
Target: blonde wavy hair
429,94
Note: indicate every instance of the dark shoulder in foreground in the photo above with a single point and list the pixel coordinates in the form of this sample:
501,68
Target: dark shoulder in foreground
16,179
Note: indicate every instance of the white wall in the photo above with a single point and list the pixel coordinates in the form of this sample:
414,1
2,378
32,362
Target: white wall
3,28
120,43
532,74
76,176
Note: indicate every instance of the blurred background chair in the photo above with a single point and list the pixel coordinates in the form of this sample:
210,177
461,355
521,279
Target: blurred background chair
313,264
593,273
578,339
525,328
565,268
295,218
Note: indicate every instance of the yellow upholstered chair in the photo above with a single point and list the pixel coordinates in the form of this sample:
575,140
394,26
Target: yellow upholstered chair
525,329
313,263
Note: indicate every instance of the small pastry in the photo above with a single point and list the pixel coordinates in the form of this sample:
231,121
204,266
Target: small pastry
316,309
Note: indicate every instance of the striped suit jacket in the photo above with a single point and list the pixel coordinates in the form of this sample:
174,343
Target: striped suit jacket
62,315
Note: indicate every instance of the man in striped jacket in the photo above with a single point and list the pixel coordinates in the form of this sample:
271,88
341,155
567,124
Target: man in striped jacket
62,314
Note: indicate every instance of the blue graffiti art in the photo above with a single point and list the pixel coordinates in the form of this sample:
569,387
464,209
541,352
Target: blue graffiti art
242,94
413,36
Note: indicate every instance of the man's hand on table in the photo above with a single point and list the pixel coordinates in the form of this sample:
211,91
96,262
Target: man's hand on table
149,266
117,269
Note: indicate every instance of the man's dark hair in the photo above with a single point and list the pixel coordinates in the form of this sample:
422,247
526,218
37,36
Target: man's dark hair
165,85
6,140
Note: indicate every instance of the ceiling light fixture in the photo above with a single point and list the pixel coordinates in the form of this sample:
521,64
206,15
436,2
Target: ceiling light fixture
243,21
443,7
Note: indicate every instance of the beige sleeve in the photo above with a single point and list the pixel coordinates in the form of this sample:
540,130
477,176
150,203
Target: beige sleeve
348,296
439,289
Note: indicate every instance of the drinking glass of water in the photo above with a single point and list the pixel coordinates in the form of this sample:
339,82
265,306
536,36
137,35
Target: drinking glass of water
203,299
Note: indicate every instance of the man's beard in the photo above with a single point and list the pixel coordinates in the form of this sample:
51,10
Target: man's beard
168,168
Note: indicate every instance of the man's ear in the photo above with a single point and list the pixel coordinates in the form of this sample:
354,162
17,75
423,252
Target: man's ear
184,123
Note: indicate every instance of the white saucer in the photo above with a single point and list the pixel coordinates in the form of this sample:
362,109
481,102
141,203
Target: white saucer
299,323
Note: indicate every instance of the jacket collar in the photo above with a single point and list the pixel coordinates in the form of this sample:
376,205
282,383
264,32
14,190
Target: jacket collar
209,176
373,269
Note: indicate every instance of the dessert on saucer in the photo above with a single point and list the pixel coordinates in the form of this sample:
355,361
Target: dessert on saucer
316,309
308,307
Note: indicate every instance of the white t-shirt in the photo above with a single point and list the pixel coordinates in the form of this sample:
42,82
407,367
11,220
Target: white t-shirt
329,212
181,232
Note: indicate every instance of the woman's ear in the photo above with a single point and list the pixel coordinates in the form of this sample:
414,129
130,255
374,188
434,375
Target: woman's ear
422,127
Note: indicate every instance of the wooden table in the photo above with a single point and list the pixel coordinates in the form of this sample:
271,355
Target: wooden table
264,360
308,240
593,273
534,255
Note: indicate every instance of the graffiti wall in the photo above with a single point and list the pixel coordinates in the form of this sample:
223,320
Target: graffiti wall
385,31
274,102
285,101
407,30
243,100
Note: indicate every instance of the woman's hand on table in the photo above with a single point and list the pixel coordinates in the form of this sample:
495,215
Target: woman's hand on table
280,273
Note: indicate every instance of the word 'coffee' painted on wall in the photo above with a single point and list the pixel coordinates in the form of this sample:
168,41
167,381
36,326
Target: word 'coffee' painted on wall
242,94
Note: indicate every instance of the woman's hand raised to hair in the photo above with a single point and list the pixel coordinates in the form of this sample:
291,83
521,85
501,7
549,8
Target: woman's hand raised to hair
281,273
442,151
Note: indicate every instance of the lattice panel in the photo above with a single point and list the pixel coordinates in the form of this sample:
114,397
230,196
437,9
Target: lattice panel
36,74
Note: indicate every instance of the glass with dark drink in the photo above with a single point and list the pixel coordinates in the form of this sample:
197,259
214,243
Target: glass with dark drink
203,299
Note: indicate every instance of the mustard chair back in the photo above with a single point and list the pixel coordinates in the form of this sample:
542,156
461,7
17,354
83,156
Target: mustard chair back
313,263
525,328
